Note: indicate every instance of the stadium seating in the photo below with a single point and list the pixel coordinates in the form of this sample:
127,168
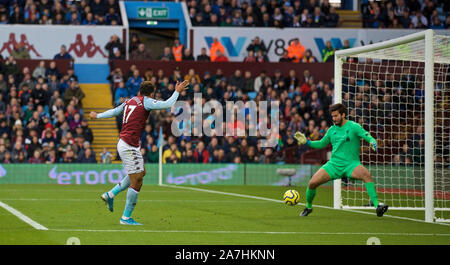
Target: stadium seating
49,12
406,14
285,152
41,115
280,14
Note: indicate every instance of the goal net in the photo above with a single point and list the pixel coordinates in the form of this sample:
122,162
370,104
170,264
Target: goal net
399,91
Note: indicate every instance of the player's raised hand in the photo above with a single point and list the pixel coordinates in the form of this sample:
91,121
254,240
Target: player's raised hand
93,115
179,87
373,145
300,137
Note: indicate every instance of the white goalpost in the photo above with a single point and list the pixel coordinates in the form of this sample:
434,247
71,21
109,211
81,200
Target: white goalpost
399,91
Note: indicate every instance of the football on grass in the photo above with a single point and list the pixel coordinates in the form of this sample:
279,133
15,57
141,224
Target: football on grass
291,197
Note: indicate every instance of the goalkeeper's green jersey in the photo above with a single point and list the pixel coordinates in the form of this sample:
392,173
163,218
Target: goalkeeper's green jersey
345,141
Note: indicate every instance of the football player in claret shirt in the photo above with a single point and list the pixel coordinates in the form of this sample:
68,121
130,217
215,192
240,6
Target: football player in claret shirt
135,114
345,137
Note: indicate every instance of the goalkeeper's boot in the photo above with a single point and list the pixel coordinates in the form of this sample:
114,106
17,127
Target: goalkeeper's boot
128,221
306,211
108,201
381,209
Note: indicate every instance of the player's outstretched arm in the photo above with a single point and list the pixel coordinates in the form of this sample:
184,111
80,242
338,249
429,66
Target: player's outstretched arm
301,140
107,114
150,104
366,136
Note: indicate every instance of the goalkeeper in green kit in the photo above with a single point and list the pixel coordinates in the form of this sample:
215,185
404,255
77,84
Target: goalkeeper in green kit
344,137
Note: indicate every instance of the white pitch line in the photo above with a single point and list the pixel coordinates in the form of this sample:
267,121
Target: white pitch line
124,199
280,201
23,217
248,232
77,191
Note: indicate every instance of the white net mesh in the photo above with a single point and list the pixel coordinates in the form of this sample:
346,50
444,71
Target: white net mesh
384,92
413,51
442,141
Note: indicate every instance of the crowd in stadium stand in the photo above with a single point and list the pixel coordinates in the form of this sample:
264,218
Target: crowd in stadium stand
303,101
262,13
233,13
41,115
408,14
49,12
313,13
303,106
256,52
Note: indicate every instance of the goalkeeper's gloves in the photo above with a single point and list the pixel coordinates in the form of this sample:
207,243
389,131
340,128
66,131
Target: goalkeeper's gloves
301,138
373,145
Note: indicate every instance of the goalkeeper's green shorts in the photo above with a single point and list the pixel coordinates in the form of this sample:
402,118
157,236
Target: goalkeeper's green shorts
339,170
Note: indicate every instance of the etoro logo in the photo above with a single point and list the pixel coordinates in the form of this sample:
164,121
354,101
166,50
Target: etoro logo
233,49
80,48
204,177
87,177
11,43
2,171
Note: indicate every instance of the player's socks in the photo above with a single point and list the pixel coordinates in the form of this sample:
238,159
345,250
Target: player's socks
310,194
370,187
121,186
132,196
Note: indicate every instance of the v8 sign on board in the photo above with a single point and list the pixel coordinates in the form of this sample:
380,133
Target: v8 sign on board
86,44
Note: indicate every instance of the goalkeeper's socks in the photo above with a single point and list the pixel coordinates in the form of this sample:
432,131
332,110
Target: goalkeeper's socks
132,196
370,187
310,194
121,186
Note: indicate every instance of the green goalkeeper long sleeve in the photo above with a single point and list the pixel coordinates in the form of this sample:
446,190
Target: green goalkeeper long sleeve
322,142
345,141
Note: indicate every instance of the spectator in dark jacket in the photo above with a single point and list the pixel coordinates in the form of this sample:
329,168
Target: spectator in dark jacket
257,45
189,157
203,56
63,54
39,95
11,67
234,152
98,7
52,70
112,15
87,132
187,55
332,19
88,157
140,53
237,79
113,45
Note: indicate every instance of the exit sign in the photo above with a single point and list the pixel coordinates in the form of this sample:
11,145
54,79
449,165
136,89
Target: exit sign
153,12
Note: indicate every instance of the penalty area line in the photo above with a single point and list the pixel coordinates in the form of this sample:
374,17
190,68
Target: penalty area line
22,217
280,201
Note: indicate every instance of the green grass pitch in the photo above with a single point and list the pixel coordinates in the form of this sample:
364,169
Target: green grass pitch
185,216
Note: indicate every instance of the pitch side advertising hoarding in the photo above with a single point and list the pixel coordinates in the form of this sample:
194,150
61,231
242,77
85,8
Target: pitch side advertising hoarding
86,44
